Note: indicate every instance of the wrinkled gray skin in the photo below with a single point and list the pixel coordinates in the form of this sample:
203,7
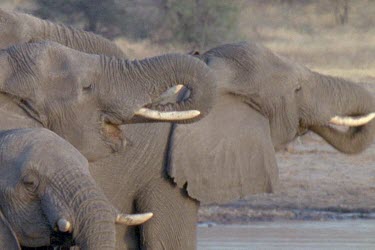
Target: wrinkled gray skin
263,101
43,178
84,97
18,28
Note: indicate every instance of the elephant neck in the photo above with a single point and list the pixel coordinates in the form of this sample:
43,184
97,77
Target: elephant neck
41,30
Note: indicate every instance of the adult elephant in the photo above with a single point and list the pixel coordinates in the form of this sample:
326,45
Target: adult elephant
263,101
18,28
93,131
45,195
84,98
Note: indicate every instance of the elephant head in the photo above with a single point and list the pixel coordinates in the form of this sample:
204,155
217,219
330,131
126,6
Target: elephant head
264,101
47,194
85,97
295,99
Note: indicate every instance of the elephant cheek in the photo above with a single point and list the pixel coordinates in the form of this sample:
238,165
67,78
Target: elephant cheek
35,241
98,142
33,231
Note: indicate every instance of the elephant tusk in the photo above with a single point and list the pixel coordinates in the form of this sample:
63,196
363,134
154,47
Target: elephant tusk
352,121
64,225
133,219
167,116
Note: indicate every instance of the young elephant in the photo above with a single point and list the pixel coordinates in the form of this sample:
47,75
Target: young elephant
47,193
85,97
18,28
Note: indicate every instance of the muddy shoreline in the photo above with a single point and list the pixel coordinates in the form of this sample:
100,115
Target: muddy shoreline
244,215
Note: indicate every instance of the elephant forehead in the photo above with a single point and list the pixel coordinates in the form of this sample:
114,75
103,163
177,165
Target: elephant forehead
10,172
38,148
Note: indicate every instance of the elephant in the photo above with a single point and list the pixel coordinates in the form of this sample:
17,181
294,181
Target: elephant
18,28
281,100
47,193
263,101
85,97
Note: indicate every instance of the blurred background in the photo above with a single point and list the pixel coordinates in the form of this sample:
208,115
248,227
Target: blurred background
335,37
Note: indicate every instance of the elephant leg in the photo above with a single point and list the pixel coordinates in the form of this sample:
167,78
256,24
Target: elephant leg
175,217
127,238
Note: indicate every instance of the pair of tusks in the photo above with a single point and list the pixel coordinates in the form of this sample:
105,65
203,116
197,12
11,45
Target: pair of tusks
352,121
170,115
125,219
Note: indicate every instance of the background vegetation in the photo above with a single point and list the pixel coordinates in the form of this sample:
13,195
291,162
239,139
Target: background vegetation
198,22
334,37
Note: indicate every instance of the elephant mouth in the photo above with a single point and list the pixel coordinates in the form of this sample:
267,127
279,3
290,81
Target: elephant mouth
60,239
113,134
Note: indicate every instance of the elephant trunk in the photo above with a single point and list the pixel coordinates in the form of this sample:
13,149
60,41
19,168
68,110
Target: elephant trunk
151,79
341,102
184,70
90,217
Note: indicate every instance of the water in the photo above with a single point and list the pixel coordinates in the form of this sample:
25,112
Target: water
290,235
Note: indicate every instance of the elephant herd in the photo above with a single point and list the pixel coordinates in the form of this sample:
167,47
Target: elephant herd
88,149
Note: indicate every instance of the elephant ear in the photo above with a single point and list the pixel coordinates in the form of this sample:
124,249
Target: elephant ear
225,156
8,239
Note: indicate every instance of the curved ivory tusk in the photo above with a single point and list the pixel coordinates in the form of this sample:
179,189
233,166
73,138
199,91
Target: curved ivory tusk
64,225
172,91
352,121
133,219
167,116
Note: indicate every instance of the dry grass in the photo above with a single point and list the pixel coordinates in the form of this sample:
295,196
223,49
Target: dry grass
309,34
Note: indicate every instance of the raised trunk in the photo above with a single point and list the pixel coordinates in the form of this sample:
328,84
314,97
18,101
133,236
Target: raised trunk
338,97
93,218
148,79
41,30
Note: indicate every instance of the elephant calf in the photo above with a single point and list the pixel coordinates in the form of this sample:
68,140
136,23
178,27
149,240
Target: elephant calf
47,195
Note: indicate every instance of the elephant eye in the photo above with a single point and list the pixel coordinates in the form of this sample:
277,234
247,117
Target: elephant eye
298,88
31,182
87,88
